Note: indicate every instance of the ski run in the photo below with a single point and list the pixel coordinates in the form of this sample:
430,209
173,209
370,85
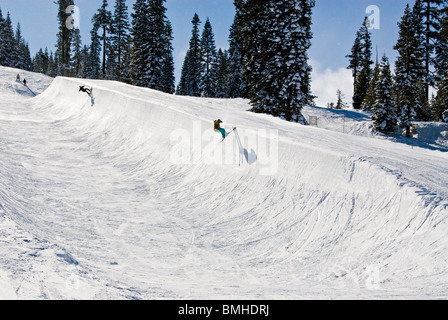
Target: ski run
128,194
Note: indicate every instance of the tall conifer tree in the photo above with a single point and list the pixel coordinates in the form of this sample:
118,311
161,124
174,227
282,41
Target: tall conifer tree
409,70
221,71
151,45
8,43
384,112
208,54
356,57
237,86
64,38
168,80
360,63
76,60
441,66
369,99
2,42
93,64
430,18
102,20
139,48
120,41
276,36
190,80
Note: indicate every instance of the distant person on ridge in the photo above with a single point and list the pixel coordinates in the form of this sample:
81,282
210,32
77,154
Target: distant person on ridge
24,82
84,89
18,77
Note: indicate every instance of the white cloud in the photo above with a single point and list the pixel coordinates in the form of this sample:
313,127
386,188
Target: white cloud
325,83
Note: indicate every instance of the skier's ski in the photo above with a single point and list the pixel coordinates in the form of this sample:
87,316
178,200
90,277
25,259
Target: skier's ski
228,135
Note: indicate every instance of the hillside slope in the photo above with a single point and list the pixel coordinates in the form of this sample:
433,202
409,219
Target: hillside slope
129,194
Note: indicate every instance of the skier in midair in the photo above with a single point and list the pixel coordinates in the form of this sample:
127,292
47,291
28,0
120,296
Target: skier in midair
86,90
218,128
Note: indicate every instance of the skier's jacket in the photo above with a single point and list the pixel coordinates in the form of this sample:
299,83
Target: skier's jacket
217,125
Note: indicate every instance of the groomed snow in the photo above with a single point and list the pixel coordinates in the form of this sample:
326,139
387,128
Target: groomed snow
130,195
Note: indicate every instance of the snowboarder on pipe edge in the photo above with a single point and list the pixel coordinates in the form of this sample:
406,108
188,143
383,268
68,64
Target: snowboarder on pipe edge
84,89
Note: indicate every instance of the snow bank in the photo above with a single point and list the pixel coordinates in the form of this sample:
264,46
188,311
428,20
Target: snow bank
10,86
135,187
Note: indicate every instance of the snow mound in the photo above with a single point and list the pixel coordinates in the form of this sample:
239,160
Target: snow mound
9,85
346,121
431,135
131,190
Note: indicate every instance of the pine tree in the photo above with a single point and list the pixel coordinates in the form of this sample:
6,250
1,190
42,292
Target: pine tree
409,70
16,52
21,52
384,112
183,87
102,21
355,58
255,16
159,44
151,45
168,80
126,71
40,62
139,42
9,43
439,104
427,28
290,43
430,17
26,56
76,59
369,99
340,104
363,68
120,41
192,68
237,86
276,37
2,44
84,61
93,63
64,39
441,44
208,54
53,67
221,71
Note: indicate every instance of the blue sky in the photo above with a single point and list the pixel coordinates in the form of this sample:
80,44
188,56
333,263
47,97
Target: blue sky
335,23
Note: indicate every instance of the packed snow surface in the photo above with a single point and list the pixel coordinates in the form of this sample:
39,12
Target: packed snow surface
129,194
